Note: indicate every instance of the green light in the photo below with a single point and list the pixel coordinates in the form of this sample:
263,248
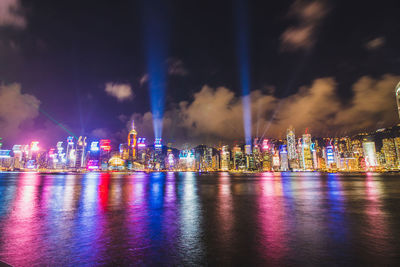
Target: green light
53,120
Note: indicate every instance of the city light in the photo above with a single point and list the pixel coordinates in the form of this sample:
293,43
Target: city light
265,145
157,143
142,142
105,144
94,146
34,146
4,153
307,153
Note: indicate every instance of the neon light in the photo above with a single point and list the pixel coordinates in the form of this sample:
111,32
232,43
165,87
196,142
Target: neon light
105,144
94,146
5,154
157,143
265,145
35,146
93,164
312,147
51,152
142,142
329,155
70,140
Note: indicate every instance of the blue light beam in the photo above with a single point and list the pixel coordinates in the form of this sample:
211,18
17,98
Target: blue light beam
242,50
155,32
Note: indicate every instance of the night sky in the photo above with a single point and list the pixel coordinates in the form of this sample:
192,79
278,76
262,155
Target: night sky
330,66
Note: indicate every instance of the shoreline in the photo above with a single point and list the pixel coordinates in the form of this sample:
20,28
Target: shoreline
200,172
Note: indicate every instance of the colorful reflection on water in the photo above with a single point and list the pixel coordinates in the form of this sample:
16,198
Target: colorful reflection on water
199,219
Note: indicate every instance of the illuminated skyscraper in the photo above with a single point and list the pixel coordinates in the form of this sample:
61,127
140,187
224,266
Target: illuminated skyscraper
225,158
276,163
397,90
299,153
370,154
291,143
132,142
18,154
389,153
80,152
141,150
330,157
314,155
70,152
291,148
306,151
284,159
397,145
237,157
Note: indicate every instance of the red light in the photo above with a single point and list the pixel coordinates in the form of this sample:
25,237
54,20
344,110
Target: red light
105,144
265,144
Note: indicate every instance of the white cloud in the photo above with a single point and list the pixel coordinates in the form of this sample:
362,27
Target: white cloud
121,91
144,79
16,108
375,43
10,14
308,15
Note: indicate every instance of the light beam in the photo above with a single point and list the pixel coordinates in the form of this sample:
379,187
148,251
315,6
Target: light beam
242,50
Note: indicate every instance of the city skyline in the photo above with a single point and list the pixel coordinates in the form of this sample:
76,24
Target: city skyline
377,151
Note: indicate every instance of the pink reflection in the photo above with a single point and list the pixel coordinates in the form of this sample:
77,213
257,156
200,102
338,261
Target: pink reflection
104,186
225,207
21,228
69,193
377,232
170,195
272,217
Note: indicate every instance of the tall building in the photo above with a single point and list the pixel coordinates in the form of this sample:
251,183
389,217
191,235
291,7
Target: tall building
329,156
132,142
397,90
397,145
284,159
276,163
370,154
247,149
314,155
70,154
237,157
105,152
80,152
291,144
157,155
141,150
225,158
389,153
306,152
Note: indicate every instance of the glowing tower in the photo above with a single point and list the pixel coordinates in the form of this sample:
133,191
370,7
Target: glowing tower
291,143
132,142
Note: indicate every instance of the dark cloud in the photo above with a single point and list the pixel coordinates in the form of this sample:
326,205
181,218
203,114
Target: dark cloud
10,14
308,16
176,67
